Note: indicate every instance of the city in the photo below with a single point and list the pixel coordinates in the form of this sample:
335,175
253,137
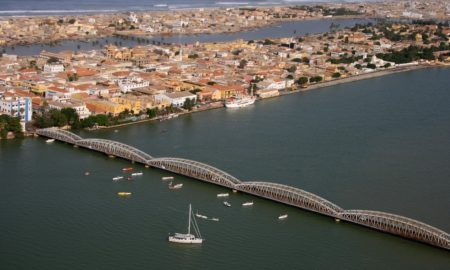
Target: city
116,82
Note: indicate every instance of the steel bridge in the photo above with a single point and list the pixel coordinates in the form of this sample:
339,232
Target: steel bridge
196,170
386,222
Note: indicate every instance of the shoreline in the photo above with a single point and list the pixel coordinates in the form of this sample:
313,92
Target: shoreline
315,86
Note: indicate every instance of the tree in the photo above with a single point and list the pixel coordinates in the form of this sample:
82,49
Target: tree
189,104
242,63
336,75
315,79
152,113
302,80
371,66
73,119
387,65
292,69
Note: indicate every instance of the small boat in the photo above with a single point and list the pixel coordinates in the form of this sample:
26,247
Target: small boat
124,193
227,204
137,174
201,216
214,219
234,191
188,238
87,173
116,130
247,204
50,140
167,178
129,169
177,186
337,220
283,217
117,178
221,195
129,178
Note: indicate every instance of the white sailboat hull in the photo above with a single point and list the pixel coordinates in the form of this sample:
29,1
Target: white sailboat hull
194,240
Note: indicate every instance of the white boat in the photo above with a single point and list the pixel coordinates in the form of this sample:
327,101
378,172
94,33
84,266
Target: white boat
283,217
214,219
227,204
177,186
167,178
188,238
117,178
239,102
50,140
137,174
247,204
201,216
221,195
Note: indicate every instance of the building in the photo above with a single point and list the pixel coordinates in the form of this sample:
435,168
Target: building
78,106
177,99
17,107
53,68
128,84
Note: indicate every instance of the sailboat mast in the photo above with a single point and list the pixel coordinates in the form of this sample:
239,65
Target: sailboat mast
189,225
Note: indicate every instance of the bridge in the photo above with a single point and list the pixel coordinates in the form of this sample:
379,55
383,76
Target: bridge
386,222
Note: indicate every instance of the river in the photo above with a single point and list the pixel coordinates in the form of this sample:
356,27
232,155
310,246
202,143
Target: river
284,29
379,144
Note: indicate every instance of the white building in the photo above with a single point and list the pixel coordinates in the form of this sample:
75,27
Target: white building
17,106
78,106
177,99
53,68
128,84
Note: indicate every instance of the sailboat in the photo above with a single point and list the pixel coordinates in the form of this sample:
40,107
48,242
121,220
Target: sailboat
188,238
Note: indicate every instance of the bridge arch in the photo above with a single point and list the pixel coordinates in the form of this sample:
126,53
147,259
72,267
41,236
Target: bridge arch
399,225
59,134
115,149
292,196
195,169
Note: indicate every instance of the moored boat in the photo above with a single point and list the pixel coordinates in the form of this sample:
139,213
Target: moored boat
137,174
167,178
177,186
188,238
124,193
50,140
117,178
129,169
248,203
239,102
221,195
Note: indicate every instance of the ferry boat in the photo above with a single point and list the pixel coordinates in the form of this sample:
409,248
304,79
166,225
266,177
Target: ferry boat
124,193
247,204
167,178
117,178
227,204
177,186
137,174
188,238
283,217
129,169
50,140
239,102
221,195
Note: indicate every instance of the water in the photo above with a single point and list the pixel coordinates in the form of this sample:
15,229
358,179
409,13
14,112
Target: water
285,29
379,144
43,7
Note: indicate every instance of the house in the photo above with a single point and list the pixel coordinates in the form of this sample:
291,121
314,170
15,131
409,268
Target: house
177,99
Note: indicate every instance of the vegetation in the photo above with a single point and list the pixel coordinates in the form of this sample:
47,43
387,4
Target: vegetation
336,75
10,124
189,104
302,80
339,12
413,53
315,79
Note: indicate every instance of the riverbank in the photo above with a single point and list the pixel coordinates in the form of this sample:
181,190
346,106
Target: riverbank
365,76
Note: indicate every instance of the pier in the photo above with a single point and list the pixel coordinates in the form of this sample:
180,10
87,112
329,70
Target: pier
381,221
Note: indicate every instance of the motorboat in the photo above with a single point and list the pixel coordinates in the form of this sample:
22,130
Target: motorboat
50,140
167,178
129,169
214,219
137,174
227,204
124,193
177,186
222,195
188,238
117,178
247,204
283,217
201,216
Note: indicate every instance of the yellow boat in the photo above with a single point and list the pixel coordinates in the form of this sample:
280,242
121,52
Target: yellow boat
124,193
